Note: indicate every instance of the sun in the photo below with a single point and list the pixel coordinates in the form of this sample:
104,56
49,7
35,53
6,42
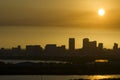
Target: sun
101,12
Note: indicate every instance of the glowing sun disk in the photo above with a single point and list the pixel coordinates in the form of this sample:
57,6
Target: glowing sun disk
101,12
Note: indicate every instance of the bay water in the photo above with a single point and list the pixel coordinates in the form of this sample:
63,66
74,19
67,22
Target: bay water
58,77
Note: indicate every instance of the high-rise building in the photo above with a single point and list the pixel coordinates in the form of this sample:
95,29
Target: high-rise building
85,43
89,44
100,46
115,47
71,44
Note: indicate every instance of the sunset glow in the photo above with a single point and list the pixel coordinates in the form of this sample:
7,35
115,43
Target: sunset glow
54,21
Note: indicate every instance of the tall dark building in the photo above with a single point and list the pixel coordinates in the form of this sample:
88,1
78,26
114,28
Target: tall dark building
100,46
89,44
85,43
115,47
71,44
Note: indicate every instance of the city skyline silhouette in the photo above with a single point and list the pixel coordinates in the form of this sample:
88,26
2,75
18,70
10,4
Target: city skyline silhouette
89,48
72,44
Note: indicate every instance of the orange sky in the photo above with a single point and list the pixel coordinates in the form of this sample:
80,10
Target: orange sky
57,13
54,21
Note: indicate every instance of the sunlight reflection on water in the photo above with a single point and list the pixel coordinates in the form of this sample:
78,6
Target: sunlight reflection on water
101,77
95,77
101,61
58,77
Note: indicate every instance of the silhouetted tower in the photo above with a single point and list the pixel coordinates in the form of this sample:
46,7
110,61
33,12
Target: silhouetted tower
115,47
71,44
100,46
85,43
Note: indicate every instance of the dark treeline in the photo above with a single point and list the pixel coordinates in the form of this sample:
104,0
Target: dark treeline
30,68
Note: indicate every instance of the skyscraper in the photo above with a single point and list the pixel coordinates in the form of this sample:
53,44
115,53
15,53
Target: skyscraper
85,43
100,46
71,44
115,47
89,44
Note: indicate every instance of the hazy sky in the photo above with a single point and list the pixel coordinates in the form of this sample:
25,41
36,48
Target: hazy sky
54,21
57,12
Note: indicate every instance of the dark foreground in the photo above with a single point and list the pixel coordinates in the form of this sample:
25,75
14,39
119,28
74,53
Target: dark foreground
28,68
96,79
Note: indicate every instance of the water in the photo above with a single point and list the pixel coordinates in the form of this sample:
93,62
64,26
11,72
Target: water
53,77
58,77
34,61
